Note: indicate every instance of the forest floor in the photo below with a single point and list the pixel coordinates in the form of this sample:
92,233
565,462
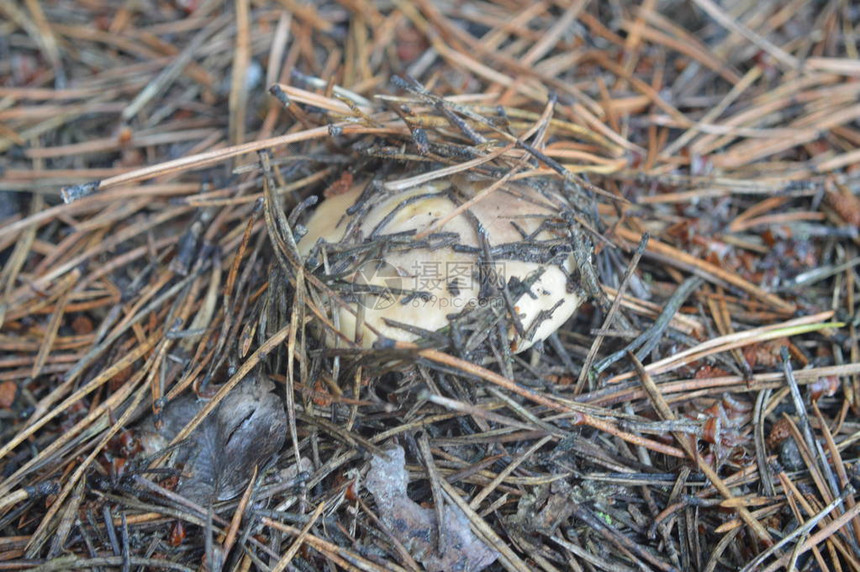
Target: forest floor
166,401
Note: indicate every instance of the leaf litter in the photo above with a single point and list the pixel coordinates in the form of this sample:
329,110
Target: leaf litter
416,526
699,412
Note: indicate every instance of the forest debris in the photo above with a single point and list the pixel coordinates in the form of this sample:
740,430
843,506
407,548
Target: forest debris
415,526
667,253
246,429
695,128
544,510
8,391
846,204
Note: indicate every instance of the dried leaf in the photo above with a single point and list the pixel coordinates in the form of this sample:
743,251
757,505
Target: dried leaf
246,430
415,526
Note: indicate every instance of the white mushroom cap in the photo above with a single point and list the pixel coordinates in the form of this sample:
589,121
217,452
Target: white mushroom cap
428,283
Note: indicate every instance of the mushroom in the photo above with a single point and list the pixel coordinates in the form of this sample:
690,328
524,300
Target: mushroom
410,257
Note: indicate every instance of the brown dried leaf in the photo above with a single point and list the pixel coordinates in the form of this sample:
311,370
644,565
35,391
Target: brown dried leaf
846,205
8,391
